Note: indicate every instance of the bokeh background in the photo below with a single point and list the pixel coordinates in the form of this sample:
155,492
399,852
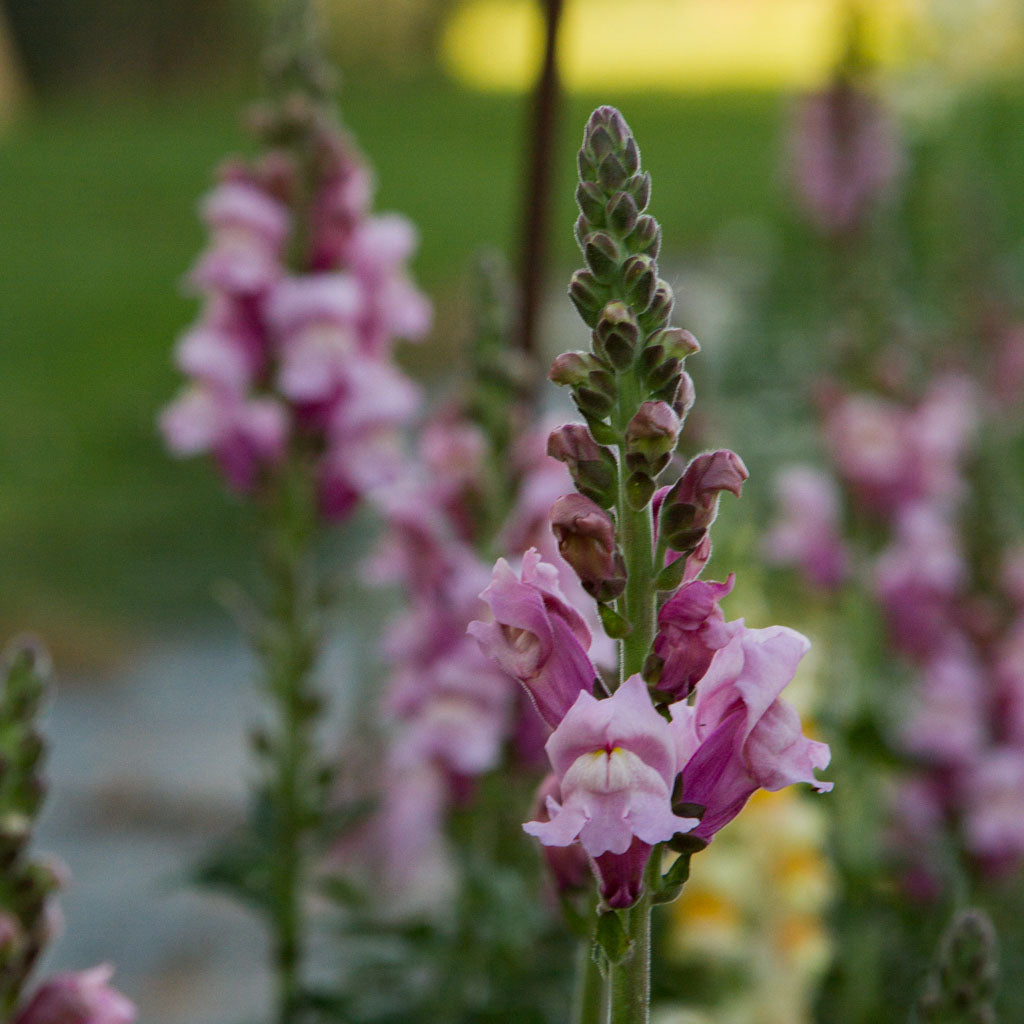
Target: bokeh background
114,115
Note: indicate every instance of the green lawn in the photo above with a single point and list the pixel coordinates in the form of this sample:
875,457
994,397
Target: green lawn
98,528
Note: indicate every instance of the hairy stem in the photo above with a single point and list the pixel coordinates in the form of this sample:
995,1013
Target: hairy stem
630,981
589,1005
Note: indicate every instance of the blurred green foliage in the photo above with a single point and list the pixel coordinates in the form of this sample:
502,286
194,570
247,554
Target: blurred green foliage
97,210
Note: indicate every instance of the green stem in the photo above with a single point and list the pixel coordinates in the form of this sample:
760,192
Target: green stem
290,655
636,539
589,1004
635,533
630,981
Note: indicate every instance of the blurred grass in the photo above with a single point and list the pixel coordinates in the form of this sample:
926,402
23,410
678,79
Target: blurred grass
98,527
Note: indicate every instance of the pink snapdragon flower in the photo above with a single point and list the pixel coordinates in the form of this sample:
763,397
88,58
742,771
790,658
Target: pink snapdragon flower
537,637
248,230
993,823
314,318
78,997
739,735
947,723
868,437
691,628
918,578
299,349
456,711
242,434
615,761
807,534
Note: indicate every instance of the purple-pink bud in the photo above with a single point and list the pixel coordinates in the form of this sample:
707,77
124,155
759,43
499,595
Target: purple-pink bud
78,997
586,540
691,627
573,443
653,431
689,508
571,368
711,473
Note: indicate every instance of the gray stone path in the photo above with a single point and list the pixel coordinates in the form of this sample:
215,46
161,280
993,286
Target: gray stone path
146,769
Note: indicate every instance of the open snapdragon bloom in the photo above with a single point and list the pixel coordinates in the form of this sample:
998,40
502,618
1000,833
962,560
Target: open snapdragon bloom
615,760
537,636
739,735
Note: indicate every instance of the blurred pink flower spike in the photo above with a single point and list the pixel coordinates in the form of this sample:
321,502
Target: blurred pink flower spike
615,761
536,636
738,736
78,997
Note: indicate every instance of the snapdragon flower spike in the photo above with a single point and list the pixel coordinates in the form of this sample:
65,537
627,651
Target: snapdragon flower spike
536,636
739,735
27,906
620,295
615,761
292,334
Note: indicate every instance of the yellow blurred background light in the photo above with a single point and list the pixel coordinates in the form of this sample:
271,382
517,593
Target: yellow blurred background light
681,45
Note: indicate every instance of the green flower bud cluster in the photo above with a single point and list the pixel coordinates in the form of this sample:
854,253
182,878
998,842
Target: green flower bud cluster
26,885
631,386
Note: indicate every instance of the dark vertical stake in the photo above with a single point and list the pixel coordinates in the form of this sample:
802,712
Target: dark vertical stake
537,200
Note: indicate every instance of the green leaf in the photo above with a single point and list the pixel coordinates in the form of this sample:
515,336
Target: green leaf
603,433
611,937
615,625
671,575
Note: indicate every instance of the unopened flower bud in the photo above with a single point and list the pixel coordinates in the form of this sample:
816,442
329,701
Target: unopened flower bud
659,310
639,489
597,404
665,371
639,275
602,135
572,368
617,334
676,343
588,296
685,396
652,433
586,540
593,468
622,213
590,200
639,187
611,173
631,155
602,256
645,236
690,506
